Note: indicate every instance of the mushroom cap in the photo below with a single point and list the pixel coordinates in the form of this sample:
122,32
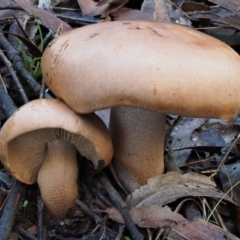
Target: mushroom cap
25,135
157,66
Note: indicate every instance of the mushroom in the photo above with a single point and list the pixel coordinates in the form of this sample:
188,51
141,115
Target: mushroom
143,70
39,142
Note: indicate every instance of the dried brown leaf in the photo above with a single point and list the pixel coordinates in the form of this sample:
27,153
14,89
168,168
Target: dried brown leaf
169,187
105,8
229,176
47,19
127,14
87,6
232,5
194,6
232,21
7,4
156,216
102,7
183,139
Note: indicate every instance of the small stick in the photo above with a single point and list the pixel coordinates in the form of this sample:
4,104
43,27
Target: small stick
87,211
120,232
14,76
10,210
113,172
40,218
99,195
43,87
14,198
6,103
15,58
26,234
88,194
121,206
99,203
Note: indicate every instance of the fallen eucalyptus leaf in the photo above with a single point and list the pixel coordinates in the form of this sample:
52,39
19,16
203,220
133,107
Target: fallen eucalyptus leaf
169,187
47,19
156,216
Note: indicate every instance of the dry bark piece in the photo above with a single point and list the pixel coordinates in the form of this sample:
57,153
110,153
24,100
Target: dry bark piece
39,142
156,8
157,67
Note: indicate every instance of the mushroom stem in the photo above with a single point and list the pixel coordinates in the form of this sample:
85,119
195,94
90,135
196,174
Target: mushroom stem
138,141
57,178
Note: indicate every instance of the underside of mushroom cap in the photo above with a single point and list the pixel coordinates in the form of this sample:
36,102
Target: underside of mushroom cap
161,67
24,137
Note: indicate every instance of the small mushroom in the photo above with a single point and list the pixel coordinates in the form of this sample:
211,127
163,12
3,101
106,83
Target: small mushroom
39,142
159,67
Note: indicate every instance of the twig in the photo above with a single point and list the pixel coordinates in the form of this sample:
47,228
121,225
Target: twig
14,57
121,229
14,199
9,5
14,77
225,157
26,234
113,172
6,103
43,87
99,203
121,206
99,195
10,210
88,194
81,20
40,218
87,211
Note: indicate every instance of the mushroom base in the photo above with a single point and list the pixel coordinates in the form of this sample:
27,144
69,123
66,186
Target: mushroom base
57,178
138,141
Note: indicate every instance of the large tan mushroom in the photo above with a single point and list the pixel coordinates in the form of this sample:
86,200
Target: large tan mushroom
162,68
39,142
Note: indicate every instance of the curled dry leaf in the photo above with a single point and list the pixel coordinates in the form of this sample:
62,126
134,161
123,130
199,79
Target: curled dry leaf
183,139
107,6
156,216
87,6
101,7
169,187
194,6
126,14
7,4
229,176
232,5
47,19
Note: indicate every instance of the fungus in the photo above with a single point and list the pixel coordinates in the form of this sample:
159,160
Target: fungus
159,67
39,142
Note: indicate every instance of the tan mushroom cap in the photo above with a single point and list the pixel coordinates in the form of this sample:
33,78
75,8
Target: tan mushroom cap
162,67
25,135
44,134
